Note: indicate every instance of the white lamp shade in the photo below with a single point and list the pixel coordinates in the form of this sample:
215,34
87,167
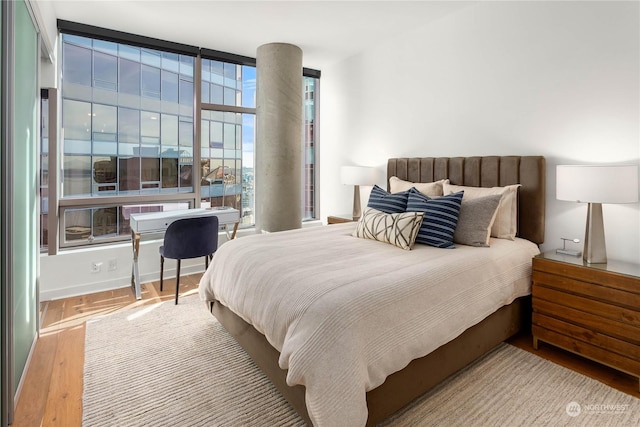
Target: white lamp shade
357,175
597,184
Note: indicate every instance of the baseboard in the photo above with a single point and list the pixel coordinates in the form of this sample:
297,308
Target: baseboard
24,372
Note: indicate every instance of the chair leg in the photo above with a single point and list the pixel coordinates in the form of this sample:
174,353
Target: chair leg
206,262
161,271
177,281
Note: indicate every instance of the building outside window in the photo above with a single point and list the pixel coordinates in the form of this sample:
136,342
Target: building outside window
128,137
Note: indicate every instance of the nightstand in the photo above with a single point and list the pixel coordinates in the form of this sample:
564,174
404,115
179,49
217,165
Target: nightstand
589,309
339,219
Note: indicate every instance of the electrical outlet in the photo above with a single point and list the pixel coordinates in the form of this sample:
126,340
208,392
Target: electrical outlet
96,267
113,265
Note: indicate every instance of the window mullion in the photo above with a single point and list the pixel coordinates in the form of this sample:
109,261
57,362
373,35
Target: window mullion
197,128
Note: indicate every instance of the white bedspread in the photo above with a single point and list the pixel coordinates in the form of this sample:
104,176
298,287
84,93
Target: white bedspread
346,312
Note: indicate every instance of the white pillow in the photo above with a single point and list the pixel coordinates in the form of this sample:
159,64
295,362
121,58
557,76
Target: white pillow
431,189
505,225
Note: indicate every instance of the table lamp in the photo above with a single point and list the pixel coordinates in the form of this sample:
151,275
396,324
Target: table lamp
595,185
357,176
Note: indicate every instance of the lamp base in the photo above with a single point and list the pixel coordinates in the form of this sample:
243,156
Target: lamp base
357,212
595,251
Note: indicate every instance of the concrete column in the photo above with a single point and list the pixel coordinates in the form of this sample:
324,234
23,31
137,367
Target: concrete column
278,174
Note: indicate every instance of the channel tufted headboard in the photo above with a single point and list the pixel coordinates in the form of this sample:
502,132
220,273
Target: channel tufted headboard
486,171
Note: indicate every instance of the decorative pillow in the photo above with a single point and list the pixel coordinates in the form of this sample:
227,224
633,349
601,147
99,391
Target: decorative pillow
387,202
440,217
505,226
399,229
475,220
431,189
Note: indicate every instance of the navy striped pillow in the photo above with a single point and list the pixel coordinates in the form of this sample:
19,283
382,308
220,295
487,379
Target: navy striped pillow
388,202
440,217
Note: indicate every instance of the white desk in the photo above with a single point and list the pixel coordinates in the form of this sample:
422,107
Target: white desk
157,222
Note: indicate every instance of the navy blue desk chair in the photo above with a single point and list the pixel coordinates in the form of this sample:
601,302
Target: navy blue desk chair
189,238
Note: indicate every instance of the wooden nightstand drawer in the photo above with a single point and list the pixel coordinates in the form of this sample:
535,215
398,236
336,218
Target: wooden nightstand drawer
599,354
589,274
613,328
592,290
625,347
588,305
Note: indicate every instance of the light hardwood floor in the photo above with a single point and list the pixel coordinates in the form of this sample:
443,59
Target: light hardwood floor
52,391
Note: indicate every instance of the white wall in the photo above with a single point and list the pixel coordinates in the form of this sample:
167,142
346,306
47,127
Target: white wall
523,78
69,272
47,26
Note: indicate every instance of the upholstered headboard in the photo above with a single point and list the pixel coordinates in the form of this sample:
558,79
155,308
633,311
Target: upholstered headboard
488,171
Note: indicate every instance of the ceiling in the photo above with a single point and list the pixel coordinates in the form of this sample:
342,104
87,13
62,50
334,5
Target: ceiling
326,31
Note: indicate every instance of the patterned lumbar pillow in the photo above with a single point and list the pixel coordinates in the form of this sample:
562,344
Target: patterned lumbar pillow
387,202
440,217
398,229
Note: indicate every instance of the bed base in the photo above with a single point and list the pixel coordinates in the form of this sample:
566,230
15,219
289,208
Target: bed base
402,387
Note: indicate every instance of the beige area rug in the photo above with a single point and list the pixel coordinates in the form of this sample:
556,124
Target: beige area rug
167,365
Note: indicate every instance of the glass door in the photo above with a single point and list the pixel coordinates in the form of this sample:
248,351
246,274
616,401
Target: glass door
19,183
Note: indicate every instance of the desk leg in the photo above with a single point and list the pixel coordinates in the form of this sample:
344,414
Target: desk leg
233,234
135,272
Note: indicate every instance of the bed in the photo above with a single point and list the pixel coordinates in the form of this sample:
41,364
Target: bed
309,337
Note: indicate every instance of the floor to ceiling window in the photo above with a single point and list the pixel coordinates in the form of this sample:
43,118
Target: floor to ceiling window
228,136
131,115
